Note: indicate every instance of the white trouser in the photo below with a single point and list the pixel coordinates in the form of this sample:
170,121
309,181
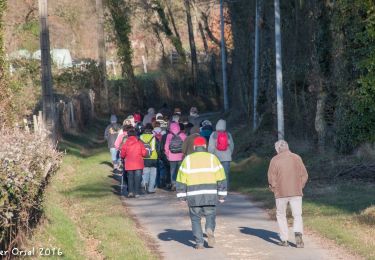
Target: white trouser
149,177
296,206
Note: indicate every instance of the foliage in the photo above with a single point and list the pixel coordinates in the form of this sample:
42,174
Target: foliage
24,85
87,220
29,33
70,80
356,114
120,17
5,97
26,162
158,7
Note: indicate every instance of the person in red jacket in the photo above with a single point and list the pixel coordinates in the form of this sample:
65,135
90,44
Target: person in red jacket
133,152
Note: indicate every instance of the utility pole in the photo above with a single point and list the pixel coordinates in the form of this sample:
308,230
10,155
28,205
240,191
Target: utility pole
256,64
49,119
279,73
223,58
104,103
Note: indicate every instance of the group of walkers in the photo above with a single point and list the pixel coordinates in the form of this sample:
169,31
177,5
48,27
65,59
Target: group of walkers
187,155
149,149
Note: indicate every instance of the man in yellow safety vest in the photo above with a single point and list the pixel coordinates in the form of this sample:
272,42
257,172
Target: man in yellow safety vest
201,182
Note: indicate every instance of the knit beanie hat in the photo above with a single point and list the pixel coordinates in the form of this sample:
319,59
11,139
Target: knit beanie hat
113,119
131,119
137,117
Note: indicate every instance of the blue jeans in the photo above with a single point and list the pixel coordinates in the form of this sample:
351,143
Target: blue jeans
149,178
134,181
226,166
114,156
196,214
173,171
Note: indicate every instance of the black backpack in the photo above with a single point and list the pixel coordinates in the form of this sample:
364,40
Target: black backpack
175,146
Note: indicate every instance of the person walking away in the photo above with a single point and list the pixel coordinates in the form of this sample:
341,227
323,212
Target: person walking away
163,157
165,110
123,134
133,152
173,151
221,144
110,134
138,123
177,111
201,182
188,145
161,170
176,118
187,124
120,141
193,117
149,172
206,129
287,177
148,118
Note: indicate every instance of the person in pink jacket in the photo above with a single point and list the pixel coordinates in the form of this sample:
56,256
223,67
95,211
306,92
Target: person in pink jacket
173,150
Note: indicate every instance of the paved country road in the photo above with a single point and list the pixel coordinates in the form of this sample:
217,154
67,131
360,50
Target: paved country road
243,230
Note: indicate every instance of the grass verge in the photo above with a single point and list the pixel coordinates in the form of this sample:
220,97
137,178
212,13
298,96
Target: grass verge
83,215
335,210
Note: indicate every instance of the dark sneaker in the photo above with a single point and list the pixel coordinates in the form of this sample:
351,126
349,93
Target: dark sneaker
210,238
283,243
299,240
173,188
199,246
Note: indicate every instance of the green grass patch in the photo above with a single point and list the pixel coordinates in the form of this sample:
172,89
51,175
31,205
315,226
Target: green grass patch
83,215
341,211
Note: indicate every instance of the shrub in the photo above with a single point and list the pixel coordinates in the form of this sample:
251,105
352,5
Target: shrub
26,162
367,216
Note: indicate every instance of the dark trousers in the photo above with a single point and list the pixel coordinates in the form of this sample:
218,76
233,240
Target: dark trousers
134,181
173,171
161,177
226,166
196,214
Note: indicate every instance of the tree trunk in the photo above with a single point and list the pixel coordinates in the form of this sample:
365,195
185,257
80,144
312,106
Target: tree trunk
49,116
256,64
104,101
193,49
164,27
223,58
279,73
171,17
320,124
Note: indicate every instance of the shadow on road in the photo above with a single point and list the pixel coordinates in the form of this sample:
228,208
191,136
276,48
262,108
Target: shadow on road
183,236
106,163
269,236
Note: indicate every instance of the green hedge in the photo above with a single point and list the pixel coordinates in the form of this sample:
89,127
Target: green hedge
26,162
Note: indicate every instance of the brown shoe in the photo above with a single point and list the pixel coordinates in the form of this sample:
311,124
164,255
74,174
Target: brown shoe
210,238
299,240
199,246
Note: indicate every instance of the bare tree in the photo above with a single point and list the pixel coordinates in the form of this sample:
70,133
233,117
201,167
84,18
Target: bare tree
193,49
164,27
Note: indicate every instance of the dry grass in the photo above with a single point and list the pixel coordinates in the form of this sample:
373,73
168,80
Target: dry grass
367,216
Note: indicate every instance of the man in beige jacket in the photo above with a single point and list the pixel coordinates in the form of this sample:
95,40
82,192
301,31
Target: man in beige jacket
287,177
